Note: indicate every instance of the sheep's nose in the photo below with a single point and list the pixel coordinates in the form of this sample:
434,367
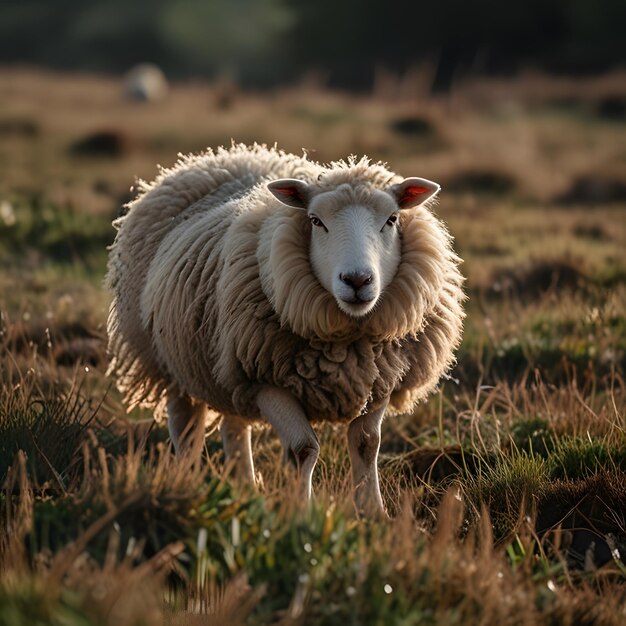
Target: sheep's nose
356,280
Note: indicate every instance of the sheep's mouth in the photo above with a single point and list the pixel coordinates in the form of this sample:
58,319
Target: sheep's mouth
355,306
356,300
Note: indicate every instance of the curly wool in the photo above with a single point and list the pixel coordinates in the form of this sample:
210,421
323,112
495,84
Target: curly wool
214,295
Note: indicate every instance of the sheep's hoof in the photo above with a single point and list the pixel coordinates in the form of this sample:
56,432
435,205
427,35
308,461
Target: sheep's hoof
368,503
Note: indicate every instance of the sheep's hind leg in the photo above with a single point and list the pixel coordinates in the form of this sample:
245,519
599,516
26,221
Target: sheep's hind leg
186,420
363,444
236,438
299,440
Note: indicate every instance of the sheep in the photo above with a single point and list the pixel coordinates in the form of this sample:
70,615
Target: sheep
259,285
145,82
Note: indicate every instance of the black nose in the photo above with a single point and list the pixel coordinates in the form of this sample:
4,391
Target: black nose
356,280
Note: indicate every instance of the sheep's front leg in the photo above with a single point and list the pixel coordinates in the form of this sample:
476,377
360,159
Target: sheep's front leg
236,437
299,441
186,421
363,444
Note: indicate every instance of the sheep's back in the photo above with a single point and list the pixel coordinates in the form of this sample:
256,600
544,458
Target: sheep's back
179,199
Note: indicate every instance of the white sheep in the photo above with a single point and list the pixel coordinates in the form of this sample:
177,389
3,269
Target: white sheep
145,82
266,286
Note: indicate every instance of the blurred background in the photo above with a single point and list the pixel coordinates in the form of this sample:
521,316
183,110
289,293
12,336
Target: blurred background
265,43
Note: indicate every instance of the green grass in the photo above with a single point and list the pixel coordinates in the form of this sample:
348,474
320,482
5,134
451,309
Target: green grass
49,431
54,234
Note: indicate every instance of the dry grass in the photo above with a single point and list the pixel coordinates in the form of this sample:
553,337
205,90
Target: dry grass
305,566
503,513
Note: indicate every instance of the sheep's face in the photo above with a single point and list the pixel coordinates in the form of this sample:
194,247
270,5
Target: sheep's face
355,245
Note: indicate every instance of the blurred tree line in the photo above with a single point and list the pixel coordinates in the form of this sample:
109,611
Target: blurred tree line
265,42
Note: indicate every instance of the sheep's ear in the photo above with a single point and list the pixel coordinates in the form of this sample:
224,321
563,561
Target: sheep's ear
412,192
291,191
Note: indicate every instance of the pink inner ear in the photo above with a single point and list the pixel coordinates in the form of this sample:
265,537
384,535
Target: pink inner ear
411,193
287,191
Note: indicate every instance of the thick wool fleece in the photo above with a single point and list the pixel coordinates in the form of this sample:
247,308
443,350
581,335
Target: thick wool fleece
214,296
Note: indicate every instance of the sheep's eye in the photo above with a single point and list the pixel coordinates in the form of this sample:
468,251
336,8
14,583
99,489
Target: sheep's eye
316,221
392,219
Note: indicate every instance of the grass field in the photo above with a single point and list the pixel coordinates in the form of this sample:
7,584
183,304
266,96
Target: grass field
506,490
